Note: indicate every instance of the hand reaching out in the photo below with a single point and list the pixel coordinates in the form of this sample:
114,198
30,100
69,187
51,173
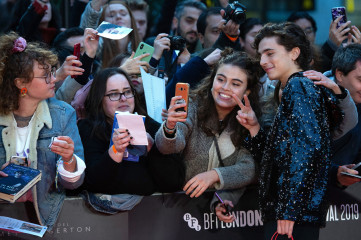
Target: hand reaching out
201,182
67,69
132,65
321,79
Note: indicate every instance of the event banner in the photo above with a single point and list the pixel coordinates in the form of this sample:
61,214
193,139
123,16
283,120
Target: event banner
177,216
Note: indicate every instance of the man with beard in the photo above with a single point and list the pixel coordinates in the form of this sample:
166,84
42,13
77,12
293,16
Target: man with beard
185,23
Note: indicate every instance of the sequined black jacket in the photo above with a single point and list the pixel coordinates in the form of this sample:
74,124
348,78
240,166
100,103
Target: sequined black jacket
296,154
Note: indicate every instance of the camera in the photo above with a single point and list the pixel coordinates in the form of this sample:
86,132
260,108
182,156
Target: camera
235,12
177,43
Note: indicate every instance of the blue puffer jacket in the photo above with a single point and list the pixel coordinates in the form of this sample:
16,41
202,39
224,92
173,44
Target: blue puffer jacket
51,118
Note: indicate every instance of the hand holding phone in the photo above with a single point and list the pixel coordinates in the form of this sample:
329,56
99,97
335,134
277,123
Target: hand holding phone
227,207
142,49
337,12
182,89
76,53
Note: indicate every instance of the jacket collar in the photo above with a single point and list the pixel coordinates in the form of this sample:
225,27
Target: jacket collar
41,115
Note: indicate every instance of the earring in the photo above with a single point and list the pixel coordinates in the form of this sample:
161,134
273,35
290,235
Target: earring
23,91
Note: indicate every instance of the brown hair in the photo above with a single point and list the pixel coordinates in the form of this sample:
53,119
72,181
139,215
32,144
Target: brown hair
206,110
111,47
19,65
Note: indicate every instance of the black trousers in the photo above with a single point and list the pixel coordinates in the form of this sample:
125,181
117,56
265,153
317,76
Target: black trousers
300,231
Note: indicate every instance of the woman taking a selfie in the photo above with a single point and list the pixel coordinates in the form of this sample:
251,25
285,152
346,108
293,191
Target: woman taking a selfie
209,136
297,149
30,117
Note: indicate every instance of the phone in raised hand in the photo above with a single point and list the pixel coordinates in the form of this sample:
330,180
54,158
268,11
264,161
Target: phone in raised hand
227,213
76,53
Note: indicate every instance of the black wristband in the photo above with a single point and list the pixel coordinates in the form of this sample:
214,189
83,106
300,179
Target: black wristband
343,94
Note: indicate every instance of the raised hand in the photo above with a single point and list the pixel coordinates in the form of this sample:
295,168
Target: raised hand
132,65
173,115
67,69
161,43
91,42
337,35
246,116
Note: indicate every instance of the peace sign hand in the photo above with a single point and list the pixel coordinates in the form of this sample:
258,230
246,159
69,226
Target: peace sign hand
246,116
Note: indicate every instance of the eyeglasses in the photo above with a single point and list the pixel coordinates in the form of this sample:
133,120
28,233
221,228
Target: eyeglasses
48,75
308,30
118,95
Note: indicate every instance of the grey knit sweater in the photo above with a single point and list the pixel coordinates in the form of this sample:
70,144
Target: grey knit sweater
195,145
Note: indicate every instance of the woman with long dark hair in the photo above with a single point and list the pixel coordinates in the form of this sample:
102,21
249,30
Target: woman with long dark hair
108,172
209,137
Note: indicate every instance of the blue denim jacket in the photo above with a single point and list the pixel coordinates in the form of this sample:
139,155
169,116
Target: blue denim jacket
51,118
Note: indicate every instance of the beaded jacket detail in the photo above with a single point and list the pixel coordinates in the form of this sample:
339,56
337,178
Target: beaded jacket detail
297,151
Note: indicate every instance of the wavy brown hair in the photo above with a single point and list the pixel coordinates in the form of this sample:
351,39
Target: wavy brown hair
111,47
19,65
206,109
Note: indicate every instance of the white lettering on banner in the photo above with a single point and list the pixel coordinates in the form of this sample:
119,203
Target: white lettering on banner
343,212
192,222
250,218
64,228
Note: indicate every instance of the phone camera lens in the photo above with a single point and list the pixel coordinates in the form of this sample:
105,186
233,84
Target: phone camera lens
181,89
141,46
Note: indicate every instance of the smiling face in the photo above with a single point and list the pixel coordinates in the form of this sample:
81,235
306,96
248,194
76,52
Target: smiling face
278,63
116,84
117,14
229,80
352,82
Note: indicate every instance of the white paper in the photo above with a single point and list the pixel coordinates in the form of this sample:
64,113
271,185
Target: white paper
12,224
112,31
154,92
135,124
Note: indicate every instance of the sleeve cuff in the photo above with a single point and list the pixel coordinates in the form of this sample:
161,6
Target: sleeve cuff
219,185
71,176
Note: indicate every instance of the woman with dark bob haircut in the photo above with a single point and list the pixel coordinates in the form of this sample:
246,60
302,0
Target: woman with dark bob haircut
295,154
108,170
209,137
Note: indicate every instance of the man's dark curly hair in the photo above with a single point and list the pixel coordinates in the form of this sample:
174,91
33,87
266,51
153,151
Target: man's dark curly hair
290,36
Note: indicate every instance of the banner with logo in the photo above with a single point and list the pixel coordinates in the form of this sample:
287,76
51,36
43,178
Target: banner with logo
177,216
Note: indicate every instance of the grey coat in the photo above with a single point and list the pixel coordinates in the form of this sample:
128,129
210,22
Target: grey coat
194,144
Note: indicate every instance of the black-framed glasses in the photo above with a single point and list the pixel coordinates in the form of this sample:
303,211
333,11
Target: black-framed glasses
48,75
116,96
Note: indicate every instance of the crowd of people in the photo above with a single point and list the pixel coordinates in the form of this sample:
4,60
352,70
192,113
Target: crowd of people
267,107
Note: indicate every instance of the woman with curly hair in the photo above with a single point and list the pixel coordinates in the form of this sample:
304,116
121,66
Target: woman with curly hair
30,117
209,137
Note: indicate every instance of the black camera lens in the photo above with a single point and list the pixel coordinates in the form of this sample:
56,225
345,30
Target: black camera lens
141,46
181,89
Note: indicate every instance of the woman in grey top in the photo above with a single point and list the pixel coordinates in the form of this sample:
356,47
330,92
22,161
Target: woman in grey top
211,120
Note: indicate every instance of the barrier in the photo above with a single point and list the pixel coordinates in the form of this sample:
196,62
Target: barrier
176,216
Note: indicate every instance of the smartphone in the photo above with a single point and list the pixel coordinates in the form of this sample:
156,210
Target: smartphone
339,11
144,48
76,53
357,167
55,139
227,213
182,89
